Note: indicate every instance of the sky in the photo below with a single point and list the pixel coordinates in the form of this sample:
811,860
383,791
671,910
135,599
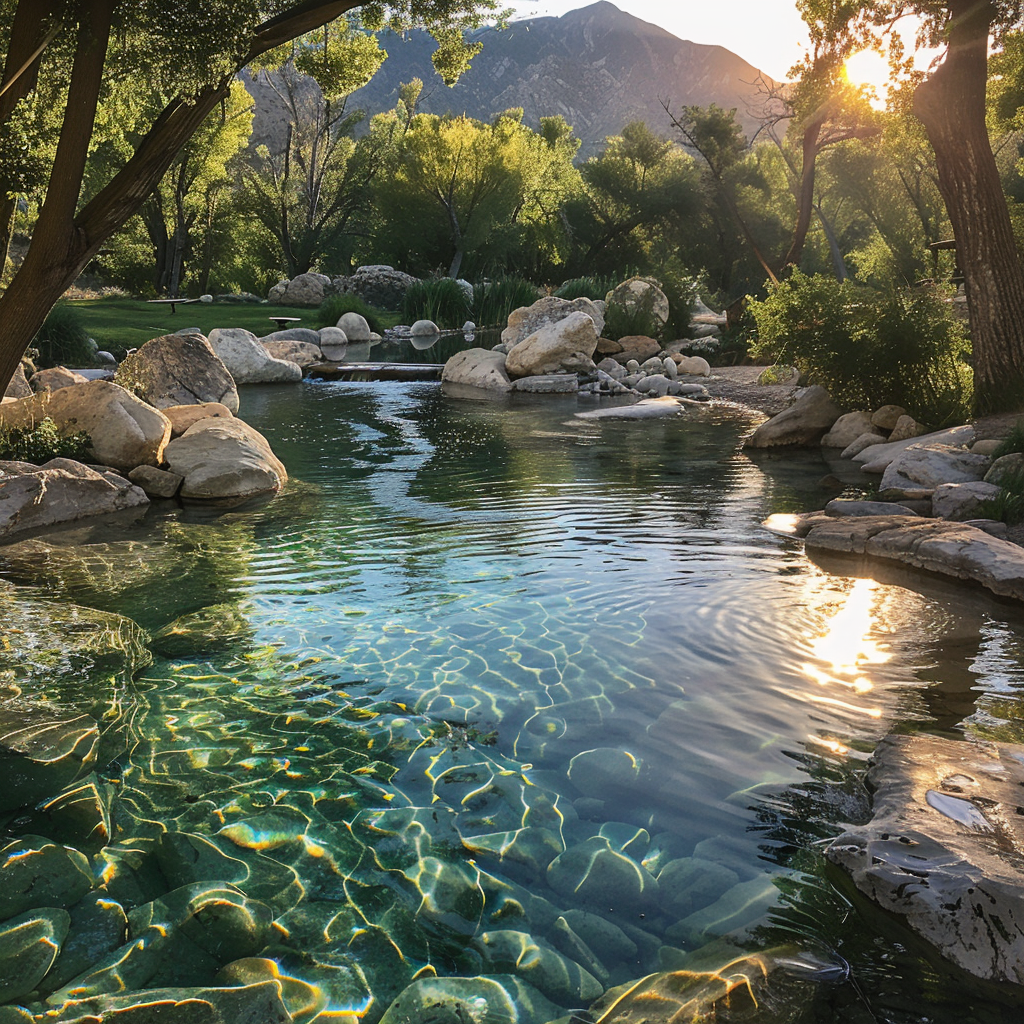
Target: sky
767,33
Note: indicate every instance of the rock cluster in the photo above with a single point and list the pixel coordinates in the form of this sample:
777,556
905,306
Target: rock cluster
379,286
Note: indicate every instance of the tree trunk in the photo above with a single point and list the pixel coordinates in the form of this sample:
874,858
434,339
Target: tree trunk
805,198
63,243
951,105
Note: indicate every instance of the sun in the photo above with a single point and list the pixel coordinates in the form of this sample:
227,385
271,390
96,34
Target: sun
868,68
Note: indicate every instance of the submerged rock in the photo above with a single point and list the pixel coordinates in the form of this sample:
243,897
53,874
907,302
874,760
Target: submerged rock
942,851
35,872
28,946
497,999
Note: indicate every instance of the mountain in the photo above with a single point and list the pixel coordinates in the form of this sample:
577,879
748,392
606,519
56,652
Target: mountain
598,66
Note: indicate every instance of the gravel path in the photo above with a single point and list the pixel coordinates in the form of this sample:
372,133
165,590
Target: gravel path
739,384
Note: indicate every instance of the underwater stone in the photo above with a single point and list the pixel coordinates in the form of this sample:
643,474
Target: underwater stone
81,814
556,976
632,840
252,1004
606,939
35,872
450,894
593,872
303,1001
497,1000
524,853
42,752
690,884
202,632
98,926
185,859
28,945
733,914
595,772
568,943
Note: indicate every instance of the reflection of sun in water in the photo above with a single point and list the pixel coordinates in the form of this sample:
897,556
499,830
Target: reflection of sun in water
845,651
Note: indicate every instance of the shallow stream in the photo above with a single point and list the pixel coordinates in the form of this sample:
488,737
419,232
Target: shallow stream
491,691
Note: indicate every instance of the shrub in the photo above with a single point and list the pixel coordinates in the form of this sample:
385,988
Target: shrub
636,318
332,309
41,442
586,288
63,339
494,301
869,348
1012,443
1008,505
443,301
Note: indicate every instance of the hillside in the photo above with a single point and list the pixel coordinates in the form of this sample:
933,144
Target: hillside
598,66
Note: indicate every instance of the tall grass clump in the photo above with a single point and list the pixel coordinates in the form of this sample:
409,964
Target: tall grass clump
333,308
636,317
870,348
443,301
1008,505
595,287
1012,443
63,339
494,301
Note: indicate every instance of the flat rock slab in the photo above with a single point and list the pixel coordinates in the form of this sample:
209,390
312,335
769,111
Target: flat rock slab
952,549
943,850
648,409
549,384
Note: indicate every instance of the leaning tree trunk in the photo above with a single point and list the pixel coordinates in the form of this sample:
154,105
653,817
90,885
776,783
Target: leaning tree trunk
951,105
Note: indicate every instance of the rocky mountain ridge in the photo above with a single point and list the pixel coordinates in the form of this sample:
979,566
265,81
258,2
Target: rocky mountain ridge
597,66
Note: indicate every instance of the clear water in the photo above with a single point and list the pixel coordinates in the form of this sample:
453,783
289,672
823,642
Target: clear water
450,603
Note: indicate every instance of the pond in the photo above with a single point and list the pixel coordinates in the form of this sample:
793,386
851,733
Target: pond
490,691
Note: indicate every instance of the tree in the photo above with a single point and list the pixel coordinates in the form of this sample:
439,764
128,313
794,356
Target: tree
950,103
193,53
463,188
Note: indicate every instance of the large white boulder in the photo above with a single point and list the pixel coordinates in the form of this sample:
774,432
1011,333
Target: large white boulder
875,458
848,428
631,295
803,423
304,290
302,353
929,465
124,432
248,361
178,369
568,344
478,368
223,459
60,491
962,501
355,326
527,320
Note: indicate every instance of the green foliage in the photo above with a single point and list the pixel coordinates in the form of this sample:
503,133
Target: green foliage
40,443
443,301
332,309
63,339
775,375
623,320
593,287
1008,505
494,301
870,348
1012,443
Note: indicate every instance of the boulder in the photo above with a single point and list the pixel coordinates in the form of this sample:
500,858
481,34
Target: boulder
306,334
124,432
936,545
635,346
986,446
696,366
941,850
592,872
906,427
568,344
54,379
302,353
928,465
527,320
157,483
29,944
35,872
19,386
223,459
381,286
803,423
961,501
178,370
183,416
333,344
840,507
478,368
858,445
248,361
1006,465
424,328
848,428
875,458
887,417
59,492
355,327
304,290
549,384
639,292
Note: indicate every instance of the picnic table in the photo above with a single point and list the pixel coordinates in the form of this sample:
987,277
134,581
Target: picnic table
172,302
283,321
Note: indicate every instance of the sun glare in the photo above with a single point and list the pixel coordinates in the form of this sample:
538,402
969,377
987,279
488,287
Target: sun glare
869,68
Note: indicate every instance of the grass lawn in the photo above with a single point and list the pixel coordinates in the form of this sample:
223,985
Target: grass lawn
129,323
